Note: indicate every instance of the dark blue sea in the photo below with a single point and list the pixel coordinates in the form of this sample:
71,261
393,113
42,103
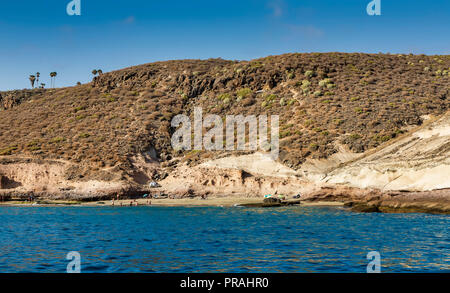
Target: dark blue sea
215,239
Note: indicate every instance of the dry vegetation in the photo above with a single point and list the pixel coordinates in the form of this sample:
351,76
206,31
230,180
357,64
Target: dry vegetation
360,100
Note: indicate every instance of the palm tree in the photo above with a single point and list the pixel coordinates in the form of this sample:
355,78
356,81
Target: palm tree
32,80
52,76
94,72
42,85
37,77
100,72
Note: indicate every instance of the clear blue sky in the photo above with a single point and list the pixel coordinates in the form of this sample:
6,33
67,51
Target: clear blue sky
38,35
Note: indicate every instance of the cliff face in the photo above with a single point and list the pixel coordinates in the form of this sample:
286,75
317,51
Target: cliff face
333,108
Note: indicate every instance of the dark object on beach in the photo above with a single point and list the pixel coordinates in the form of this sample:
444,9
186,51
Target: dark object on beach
297,196
271,202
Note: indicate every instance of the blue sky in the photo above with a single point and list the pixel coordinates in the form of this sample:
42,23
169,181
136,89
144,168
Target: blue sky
38,35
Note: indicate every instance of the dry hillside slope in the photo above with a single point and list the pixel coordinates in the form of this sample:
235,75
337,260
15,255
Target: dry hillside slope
113,134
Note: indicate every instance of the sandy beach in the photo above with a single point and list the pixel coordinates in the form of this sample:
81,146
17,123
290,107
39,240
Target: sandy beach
186,202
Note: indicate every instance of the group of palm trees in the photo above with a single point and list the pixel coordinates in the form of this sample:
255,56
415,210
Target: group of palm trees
35,79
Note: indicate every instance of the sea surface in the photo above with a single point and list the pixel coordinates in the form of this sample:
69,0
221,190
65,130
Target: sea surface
216,239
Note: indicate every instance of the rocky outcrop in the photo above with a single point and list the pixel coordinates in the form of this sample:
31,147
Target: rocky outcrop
11,99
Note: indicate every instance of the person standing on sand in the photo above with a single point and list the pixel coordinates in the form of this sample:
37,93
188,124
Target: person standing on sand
113,202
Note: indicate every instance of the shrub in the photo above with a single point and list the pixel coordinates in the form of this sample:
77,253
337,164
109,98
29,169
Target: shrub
243,93
289,75
223,97
282,102
84,135
314,146
355,136
324,82
8,150
305,84
309,73
256,64
317,94
57,139
271,98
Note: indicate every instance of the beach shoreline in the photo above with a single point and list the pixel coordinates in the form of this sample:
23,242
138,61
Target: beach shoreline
186,202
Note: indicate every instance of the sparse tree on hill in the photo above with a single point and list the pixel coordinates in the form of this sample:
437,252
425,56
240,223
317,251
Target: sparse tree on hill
37,77
100,72
42,85
52,76
32,80
94,72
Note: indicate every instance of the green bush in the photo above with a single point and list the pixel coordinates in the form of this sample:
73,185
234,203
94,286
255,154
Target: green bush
243,93
84,135
355,136
305,84
324,82
8,150
223,97
309,73
57,139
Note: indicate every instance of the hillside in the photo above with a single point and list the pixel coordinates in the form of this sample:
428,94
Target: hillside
117,128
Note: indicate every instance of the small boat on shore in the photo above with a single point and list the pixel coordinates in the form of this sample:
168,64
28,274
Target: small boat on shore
272,202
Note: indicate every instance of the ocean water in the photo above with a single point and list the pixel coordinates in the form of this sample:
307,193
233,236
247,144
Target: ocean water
215,239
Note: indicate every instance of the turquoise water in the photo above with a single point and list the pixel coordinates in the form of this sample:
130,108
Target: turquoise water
214,239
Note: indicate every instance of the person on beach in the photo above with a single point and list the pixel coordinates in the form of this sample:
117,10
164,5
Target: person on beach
113,202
